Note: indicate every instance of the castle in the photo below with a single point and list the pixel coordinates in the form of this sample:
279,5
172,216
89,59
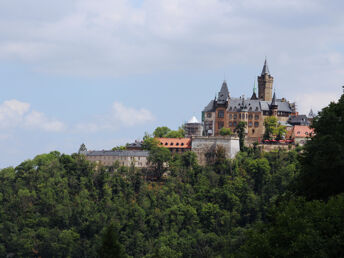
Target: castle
226,112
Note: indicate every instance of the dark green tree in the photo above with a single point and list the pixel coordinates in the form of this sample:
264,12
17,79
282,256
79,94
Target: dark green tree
110,246
161,131
322,159
158,157
240,129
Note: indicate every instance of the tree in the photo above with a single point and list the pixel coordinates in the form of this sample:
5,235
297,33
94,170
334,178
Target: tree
149,142
180,133
322,160
270,124
240,129
226,131
280,132
158,156
119,148
110,247
161,131
165,132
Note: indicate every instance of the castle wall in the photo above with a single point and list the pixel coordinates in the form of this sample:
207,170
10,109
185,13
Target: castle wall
201,145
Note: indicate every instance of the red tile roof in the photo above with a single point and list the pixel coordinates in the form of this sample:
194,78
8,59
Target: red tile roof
175,143
302,131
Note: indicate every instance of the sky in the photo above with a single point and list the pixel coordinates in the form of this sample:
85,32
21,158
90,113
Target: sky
105,72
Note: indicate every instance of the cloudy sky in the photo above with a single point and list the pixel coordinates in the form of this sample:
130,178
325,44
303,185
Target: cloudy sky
104,72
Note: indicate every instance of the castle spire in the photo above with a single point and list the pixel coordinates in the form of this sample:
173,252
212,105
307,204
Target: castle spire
265,68
254,95
273,102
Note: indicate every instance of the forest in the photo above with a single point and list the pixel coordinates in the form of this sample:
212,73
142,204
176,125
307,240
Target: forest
260,204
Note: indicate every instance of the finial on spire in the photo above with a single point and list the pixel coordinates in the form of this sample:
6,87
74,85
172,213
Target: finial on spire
254,86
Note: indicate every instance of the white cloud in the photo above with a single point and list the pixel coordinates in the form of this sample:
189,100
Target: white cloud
12,112
130,116
119,116
17,114
39,120
116,37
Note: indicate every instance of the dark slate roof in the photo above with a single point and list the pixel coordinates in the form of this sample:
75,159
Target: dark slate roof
282,106
265,68
298,120
223,94
121,153
136,144
210,107
237,104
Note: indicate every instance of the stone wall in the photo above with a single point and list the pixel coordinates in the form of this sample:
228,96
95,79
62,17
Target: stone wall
201,145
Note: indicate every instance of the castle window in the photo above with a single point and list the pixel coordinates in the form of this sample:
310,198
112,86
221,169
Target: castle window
220,125
250,124
250,116
235,123
256,108
235,116
208,115
230,124
182,144
230,108
256,117
230,116
221,114
171,143
256,124
166,143
177,143
250,109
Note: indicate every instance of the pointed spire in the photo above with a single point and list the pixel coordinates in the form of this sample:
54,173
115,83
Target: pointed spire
224,93
254,95
265,68
311,114
224,87
273,102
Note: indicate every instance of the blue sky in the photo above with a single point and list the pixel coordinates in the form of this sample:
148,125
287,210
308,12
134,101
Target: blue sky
104,72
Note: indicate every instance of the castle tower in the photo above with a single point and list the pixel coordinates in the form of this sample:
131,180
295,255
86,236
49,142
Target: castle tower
265,81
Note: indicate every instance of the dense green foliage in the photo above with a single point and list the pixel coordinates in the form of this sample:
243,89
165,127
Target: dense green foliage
59,205
273,129
166,132
309,220
323,156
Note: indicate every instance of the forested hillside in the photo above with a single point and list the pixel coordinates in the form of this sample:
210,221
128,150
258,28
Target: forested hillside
257,205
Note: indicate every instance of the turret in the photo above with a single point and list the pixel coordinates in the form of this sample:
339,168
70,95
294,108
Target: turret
223,95
274,106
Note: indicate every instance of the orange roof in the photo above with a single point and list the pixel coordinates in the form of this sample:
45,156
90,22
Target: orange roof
303,131
179,143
